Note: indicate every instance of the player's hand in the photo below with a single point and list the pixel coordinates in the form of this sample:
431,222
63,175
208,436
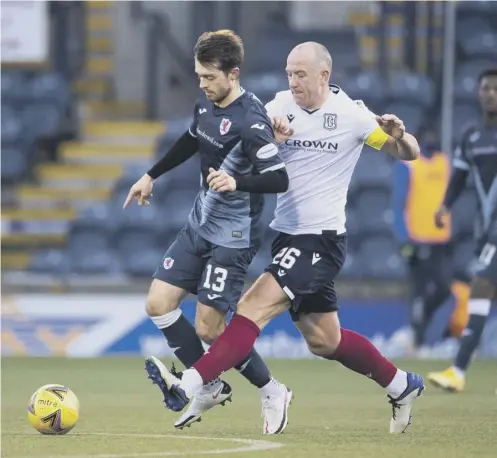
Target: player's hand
441,216
220,181
392,125
140,191
281,129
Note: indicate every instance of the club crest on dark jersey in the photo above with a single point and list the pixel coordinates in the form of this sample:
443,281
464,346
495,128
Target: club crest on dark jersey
224,128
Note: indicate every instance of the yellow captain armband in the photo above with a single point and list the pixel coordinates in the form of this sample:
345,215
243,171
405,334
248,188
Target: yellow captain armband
377,138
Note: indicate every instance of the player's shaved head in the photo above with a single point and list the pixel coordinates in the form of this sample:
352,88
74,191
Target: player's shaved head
308,68
314,53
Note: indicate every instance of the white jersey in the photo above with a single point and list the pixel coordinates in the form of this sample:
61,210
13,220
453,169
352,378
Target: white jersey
320,158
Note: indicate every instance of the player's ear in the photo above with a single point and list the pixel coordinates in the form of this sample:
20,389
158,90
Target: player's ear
234,74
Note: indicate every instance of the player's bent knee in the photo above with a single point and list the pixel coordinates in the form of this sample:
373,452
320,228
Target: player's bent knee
264,301
483,288
163,298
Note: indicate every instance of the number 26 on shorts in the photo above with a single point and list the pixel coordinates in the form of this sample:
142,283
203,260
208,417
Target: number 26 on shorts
286,257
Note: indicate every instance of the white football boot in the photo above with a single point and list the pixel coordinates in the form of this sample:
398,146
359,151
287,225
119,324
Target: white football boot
275,410
209,396
402,406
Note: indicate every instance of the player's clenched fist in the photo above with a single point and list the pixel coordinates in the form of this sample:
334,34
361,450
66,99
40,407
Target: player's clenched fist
140,191
220,181
281,129
392,125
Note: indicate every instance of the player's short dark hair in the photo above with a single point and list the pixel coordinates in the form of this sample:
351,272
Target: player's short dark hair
222,49
486,73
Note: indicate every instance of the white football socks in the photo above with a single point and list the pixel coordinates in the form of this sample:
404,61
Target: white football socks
398,385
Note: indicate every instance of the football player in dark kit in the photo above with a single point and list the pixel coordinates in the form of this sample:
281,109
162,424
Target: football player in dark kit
476,154
234,137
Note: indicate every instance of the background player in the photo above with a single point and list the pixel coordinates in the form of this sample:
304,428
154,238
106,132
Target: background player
476,154
210,256
310,247
417,192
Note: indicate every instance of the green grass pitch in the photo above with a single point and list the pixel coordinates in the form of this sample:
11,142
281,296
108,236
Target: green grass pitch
335,413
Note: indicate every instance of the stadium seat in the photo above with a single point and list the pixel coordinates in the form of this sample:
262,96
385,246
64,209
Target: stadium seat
465,88
266,85
131,240
412,115
412,88
14,162
12,125
381,259
373,169
42,119
177,127
466,28
86,236
464,115
174,208
373,209
473,68
141,265
48,88
93,262
50,261
481,44
367,86
13,86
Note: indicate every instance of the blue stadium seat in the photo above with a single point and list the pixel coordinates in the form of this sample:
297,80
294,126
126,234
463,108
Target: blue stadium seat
367,86
373,169
463,116
353,227
476,7
381,259
468,26
412,115
13,86
141,264
261,261
412,88
50,261
86,236
174,208
14,162
266,85
465,88
352,267
42,119
373,209
12,126
49,88
481,44
93,262
473,68
130,241
177,127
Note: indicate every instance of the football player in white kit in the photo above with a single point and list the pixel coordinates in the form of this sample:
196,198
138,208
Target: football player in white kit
320,132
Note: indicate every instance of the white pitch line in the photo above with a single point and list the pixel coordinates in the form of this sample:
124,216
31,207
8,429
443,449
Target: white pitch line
250,445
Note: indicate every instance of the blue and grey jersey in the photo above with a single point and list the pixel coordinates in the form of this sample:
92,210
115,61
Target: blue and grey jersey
238,139
477,154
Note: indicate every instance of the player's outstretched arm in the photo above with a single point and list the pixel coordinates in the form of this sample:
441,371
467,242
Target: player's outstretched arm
399,143
184,148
